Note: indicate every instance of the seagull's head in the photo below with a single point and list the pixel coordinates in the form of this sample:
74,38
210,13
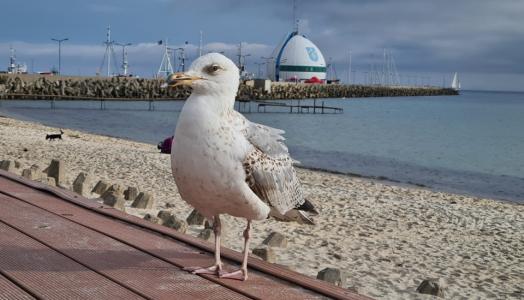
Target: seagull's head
210,74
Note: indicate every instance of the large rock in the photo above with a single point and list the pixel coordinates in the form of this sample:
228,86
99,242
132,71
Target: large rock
56,170
80,184
276,239
100,187
131,193
195,218
431,287
176,223
332,275
265,252
115,200
143,200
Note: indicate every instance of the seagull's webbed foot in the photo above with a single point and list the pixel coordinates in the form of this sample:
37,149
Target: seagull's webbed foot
215,269
239,274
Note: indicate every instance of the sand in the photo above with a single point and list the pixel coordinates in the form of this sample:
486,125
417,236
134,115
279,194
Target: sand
386,238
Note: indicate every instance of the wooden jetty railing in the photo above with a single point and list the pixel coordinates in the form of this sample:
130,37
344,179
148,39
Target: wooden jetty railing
244,106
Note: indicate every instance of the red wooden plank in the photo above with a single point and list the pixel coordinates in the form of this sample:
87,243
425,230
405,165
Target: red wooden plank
11,291
131,268
48,274
272,276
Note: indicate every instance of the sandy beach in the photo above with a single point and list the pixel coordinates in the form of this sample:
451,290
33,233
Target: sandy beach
386,238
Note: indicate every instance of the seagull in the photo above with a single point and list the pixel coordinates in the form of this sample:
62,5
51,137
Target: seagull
224,164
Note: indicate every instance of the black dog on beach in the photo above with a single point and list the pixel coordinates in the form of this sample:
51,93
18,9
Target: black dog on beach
52,137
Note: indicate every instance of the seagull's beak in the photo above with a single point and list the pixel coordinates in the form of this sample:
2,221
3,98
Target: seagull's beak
177,79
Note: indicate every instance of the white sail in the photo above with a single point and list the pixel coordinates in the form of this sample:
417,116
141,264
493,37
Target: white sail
455,84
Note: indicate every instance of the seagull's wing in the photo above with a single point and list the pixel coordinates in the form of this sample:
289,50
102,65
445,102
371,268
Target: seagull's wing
270,173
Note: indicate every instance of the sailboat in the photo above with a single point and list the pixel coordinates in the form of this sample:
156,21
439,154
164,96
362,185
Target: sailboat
455,84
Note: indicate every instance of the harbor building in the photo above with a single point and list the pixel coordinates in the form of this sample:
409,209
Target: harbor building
297,59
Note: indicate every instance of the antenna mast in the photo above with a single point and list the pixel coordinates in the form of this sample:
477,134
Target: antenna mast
349,68
165,66
200,45
295,18
110,51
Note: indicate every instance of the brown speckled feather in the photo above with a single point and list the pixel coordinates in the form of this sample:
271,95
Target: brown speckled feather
269,168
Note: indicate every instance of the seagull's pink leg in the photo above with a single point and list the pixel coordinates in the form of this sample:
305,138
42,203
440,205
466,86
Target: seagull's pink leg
241,274
217,267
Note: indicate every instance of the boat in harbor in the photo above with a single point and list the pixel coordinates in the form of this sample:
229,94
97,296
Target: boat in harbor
455,84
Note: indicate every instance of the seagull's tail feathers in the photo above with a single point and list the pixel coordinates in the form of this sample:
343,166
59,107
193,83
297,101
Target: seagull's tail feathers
308,207
293,215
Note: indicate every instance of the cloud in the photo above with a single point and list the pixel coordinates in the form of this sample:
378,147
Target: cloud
468,36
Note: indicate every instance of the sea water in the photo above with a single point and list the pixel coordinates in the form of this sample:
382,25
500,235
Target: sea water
472,143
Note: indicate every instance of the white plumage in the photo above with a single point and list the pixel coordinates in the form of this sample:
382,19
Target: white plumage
223,163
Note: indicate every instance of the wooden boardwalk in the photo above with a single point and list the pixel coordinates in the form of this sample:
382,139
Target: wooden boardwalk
55,244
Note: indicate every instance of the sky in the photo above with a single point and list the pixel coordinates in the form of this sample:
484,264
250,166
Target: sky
429,40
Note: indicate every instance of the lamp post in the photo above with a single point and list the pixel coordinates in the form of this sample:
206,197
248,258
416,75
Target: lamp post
60,53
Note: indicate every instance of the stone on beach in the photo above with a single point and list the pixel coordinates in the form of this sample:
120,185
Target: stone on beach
29,174
131,193
8,165
114,199
56,170
100,187
276,239
209,225
206,234
431,287
80,183
332,275
143,200
111,192
176,223
152,219
164,215
265,252
195,218
49,180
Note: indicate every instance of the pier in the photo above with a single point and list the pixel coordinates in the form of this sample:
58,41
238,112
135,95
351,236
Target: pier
244,106
38,87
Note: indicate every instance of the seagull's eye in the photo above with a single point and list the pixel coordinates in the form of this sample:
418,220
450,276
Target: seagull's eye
213,69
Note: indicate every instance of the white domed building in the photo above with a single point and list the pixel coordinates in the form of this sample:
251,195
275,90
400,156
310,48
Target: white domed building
296,59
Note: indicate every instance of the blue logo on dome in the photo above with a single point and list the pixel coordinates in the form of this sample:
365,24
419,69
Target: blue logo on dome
313,55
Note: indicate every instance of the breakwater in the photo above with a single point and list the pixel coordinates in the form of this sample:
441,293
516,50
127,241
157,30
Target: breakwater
69,87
